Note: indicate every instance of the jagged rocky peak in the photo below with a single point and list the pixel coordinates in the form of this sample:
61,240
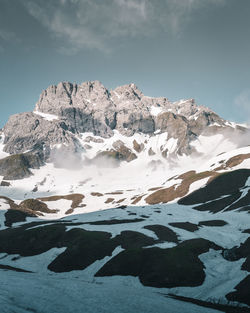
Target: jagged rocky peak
93,97
188,108
127,92
66,111
66,94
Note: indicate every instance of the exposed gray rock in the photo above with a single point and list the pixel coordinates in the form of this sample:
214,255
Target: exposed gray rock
151,152
138,147
18,166
123,152
29,131
93,139
90,107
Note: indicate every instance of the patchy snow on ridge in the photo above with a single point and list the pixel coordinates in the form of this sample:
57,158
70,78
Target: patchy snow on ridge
2,153
105,185
47,116
155,110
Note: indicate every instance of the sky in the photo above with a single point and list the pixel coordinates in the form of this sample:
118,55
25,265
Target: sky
173,48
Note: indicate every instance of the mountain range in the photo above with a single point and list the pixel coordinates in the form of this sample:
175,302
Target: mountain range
111,194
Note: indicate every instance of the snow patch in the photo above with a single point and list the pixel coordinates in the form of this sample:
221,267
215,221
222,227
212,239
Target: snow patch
47,116
155,110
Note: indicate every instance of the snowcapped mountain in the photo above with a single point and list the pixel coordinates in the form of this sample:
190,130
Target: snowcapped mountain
115,191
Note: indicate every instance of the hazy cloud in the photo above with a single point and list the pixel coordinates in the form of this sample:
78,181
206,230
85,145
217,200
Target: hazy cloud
81,24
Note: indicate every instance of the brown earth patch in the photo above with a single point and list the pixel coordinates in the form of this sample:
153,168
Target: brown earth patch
154,188
236,160
138,147
96,194
220,168
109,200
176,191
10,202
173,177
232,162
114,193
137,199
35,205
162,196
134,197
76,199
70,211
121,200
186,175
16,213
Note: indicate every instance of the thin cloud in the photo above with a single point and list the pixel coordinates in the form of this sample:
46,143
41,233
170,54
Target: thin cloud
93,24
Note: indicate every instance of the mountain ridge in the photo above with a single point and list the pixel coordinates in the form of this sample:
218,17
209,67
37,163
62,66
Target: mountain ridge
67,110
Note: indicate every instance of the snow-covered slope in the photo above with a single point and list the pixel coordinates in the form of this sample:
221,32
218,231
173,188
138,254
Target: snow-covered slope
104,182
184,249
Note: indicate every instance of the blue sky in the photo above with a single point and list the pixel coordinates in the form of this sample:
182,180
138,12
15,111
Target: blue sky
175,48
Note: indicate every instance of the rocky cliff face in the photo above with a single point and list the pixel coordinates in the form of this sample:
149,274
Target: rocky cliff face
65,111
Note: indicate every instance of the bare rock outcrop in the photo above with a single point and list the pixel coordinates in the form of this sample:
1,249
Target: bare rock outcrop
65,111
18,166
